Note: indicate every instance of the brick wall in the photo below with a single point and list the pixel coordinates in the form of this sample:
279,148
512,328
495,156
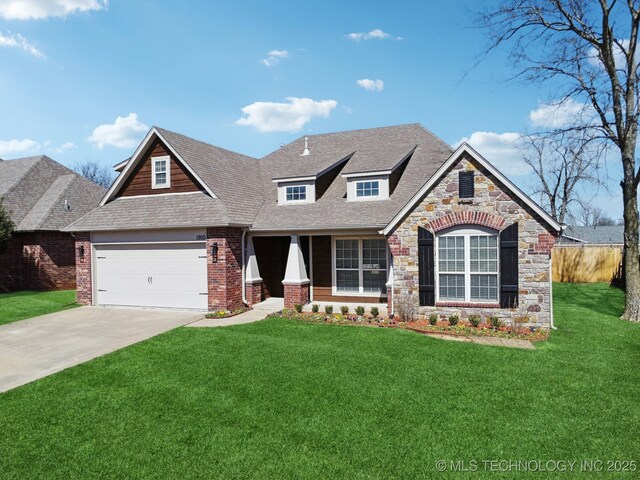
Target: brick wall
253,292
493,207
224,274
84,291
38,261
296,294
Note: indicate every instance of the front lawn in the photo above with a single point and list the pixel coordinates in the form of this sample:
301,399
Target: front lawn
290,399
26,304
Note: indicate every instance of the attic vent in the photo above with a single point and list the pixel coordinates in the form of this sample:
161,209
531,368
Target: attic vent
465,185
306,147
67,207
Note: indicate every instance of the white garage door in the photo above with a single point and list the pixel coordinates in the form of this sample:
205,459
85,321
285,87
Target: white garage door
161,275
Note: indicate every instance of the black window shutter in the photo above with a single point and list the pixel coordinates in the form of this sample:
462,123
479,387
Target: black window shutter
509,267
465,185
426,261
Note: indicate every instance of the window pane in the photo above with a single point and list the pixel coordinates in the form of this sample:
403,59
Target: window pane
161,178
451,287
375,280
483,253
346,254
374,254
299,192
368,189
484,287
347,280
451,254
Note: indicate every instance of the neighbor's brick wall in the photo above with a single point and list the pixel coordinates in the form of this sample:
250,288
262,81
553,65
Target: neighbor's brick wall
296,294
493,207
38,261
84,291
224,277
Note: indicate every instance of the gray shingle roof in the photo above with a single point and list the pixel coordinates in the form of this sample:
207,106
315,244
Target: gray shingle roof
600,235
332,209
34,190
170,211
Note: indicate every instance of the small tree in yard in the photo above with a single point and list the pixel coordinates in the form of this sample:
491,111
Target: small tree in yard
6,228
586,51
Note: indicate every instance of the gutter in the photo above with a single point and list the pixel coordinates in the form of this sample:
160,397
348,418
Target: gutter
242,278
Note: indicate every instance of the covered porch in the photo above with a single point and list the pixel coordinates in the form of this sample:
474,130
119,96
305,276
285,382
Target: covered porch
352,268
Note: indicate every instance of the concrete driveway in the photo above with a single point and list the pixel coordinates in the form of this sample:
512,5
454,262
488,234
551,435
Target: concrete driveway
34,348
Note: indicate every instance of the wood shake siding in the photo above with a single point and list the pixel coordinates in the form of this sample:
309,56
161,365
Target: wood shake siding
139,183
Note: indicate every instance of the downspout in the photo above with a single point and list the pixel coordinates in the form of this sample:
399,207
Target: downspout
553,327
242,279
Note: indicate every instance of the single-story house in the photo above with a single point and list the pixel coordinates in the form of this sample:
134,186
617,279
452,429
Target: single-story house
367,216
575,236
42,197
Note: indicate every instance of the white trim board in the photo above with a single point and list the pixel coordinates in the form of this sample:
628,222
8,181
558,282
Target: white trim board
455,156
137,156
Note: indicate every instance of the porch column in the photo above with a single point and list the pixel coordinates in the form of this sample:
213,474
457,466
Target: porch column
252,279
389,285
296,282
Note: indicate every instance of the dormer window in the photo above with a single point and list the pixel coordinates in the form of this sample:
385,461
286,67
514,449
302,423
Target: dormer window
368,189
160,175
297,193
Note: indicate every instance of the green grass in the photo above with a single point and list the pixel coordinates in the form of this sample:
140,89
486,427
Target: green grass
26,304
285,399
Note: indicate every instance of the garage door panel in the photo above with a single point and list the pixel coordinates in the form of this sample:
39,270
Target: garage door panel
173,275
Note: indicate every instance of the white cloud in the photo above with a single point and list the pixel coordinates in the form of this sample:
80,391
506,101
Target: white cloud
18,41
125,132
373,85
375,34
39,9
501,149
560,114
618,55
285,117
67,145
12,147
274,56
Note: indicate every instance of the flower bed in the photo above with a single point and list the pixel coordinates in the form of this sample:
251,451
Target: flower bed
461,328
227,313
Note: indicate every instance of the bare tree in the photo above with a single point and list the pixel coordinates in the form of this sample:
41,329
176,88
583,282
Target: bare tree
96,172
562,162
586,49
591,216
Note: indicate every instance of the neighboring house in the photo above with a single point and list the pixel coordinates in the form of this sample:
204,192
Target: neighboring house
589,254
358,216
42,197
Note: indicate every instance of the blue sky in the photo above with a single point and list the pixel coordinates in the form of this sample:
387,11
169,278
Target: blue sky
84,79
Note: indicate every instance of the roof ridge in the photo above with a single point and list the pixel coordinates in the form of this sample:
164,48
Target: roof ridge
204,143
360,130
67,180
25,173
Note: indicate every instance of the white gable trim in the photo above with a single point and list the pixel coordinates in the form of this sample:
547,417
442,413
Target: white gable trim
137,156
455,156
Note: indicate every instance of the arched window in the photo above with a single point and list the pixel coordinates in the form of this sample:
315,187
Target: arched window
467,265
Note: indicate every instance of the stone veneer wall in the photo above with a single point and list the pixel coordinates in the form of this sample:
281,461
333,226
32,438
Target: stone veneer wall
224,276
84,292
492,206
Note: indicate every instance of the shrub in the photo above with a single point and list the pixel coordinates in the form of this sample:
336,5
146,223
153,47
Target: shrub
359,310
433,319
406,308
495,322
475,320
315,307
344,309
328,309
453,320
298,307
375,312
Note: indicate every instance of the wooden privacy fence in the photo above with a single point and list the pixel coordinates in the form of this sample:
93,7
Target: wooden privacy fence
586,264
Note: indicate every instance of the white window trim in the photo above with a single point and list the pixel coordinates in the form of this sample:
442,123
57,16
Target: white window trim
368,197
306,193
465,231
360,292
154,160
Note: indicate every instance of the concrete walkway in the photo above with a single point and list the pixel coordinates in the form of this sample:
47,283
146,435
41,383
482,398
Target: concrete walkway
34,348
259,312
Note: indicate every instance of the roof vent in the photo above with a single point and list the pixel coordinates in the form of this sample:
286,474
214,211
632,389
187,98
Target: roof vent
306,147
67,207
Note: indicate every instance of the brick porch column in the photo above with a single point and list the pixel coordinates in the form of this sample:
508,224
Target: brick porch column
84,289
253,281
224,269
296,282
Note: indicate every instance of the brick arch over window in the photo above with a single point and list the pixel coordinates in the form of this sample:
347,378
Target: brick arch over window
464,218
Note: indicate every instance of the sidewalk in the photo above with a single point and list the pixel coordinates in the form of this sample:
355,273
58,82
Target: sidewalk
259,312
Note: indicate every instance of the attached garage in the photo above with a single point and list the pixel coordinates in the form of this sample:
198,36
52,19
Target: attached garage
146,273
